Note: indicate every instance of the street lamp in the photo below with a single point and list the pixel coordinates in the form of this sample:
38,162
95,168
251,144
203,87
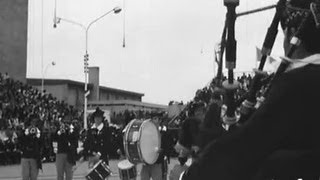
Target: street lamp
43,74
56,21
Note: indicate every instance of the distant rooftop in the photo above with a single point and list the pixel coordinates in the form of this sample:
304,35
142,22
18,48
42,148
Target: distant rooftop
37,82
127,102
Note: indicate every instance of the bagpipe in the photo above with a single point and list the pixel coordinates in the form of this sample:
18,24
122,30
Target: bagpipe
221,89
254,100
237,111
295,41
260,87
262,82
251,102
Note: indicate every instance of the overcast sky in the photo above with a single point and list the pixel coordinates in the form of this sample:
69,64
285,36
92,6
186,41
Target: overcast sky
169,43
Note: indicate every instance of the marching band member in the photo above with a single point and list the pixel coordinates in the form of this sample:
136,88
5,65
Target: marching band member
31,145
98,141
188,142
158,170
212,126
66,138
286,123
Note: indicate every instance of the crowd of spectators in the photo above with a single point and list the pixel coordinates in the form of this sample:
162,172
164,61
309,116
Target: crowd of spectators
17,102
124,117
208,92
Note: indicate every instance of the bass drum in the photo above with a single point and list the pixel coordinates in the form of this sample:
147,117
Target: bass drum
142,141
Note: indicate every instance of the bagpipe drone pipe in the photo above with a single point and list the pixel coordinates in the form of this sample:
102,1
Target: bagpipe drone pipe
219,88
261,82
295,41
248,105
223,92
232,115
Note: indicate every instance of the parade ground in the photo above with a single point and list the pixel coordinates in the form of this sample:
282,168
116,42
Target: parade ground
13,172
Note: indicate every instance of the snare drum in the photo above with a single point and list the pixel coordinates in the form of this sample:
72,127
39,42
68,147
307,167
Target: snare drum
142,141
100,171
127,170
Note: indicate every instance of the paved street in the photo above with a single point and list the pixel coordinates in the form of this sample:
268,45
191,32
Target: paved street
13,172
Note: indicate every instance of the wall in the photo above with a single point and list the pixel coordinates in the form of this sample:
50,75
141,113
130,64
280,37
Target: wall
105,95
13,38
94,79
58,91
73,95
76,97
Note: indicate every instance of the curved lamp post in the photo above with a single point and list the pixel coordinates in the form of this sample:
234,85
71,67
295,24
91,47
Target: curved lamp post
43,75
57,20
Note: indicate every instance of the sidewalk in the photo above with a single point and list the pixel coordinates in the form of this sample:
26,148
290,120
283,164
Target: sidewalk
13,172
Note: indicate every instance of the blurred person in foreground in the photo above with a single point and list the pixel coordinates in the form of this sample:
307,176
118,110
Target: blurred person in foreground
281,139
179,168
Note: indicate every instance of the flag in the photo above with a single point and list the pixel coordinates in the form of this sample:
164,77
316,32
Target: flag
259,55
271,59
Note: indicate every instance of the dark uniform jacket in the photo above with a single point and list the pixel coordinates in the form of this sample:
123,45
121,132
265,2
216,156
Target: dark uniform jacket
288,120
188,134
31,146
211,127
98,141
67,143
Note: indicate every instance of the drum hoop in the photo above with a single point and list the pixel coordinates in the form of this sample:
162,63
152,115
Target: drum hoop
100,162
106,166
98,174
94,167
88,177
138,142
126,137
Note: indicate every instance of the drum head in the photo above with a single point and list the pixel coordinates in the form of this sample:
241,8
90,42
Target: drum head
95,166
125,164
150,142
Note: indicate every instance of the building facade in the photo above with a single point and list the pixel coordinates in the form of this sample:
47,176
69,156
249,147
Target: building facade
109,99
72,92
13,38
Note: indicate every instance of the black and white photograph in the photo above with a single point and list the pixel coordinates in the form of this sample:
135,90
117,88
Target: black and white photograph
159,90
